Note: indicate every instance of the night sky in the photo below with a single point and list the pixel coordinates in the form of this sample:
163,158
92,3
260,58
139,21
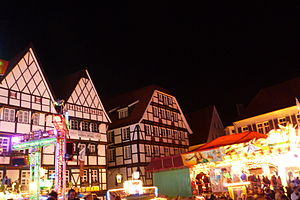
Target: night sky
205,52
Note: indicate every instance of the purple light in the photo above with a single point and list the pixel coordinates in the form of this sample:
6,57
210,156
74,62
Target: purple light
16,139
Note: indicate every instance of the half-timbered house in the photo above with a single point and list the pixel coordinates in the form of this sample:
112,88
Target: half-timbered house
26,106
88,126
146,123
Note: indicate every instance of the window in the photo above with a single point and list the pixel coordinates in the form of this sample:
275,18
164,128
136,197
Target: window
84,178
267,127
37,99
148,150
92,148
85,126
123,113
95,127
260,128
169,133
25,177
111,137
175,117
13,94
75,124
282,121
35,118
80,147
94,175
23,116
175,135
245,129
167,151
148,175
9,114
126,133
156,151
155,130
163,114
147,130
111,155
175,151
160,97
168,115
155,112
162,132
170,100
4,144
127,152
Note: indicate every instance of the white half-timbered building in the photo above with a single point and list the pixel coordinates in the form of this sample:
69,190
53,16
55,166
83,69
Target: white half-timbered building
88,129
146,123
26,105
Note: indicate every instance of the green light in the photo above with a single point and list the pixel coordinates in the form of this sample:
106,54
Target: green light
1,63
34,144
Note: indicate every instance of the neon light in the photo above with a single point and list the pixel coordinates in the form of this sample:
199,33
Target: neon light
236,184
34,144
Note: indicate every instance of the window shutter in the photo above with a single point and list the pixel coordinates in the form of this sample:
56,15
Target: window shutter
276,123
249,128
294,120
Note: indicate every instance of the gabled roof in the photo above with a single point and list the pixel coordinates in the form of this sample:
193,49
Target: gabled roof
200,122
231,139
64,86
273,98
16,59
141,97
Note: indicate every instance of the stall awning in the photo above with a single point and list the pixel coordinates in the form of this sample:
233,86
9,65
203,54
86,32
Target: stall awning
231,139
170,162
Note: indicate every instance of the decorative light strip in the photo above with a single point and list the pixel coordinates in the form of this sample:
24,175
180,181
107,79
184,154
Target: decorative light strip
34,143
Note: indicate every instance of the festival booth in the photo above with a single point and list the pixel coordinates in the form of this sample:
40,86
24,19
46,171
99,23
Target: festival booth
237,165
245,163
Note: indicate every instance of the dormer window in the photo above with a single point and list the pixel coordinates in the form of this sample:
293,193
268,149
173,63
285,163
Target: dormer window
123,113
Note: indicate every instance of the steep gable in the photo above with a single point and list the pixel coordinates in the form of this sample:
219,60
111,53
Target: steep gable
78,89
25,79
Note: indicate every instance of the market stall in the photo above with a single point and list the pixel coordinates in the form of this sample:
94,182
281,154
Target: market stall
245,163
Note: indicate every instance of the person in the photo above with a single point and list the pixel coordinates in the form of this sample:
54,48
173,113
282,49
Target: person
200,183
243,176
53,195
72,195
295,194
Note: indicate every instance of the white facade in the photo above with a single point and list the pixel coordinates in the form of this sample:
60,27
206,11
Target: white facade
162,131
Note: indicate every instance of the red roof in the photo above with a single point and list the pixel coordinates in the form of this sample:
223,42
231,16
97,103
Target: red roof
231,139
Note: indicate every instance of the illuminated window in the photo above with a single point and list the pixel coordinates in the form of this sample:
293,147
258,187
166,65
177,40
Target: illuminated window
9,114
84,178
282,121
123,113
127,152
94,175
4,144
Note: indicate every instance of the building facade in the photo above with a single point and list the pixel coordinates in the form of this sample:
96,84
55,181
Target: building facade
146,123
271,107
27,106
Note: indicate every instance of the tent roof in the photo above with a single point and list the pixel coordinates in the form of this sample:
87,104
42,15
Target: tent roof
231,139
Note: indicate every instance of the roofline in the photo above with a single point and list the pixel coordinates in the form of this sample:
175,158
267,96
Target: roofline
265,113
98,96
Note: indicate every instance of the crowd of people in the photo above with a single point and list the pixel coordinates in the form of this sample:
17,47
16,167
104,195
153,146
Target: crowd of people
72,195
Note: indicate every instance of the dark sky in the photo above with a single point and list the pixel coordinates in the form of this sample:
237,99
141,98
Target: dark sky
205,52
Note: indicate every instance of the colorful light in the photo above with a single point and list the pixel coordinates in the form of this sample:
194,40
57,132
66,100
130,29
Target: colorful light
34,144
